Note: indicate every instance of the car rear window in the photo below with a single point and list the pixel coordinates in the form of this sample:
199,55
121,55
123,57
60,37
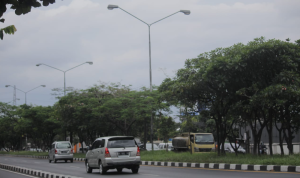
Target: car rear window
120,142
63,145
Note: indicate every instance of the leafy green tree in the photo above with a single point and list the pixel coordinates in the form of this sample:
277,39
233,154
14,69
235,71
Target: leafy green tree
9,137
7,30
252,75
20,7
166,128
38,123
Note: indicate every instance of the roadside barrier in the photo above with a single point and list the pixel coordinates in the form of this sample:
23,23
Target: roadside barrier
245,167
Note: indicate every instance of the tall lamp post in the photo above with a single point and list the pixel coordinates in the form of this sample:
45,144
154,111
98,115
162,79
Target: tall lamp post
25,92
186,12
89,62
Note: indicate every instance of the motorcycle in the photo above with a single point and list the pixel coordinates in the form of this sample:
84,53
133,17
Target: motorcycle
263,150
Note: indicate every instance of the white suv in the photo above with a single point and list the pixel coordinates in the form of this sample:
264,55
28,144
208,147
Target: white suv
116,152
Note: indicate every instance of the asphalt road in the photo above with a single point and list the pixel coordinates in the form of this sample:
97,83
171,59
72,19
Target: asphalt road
11,174
77,168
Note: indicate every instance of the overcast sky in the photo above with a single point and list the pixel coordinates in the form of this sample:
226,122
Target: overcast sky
71,32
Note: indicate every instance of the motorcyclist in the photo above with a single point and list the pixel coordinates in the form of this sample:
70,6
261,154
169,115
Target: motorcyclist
262,148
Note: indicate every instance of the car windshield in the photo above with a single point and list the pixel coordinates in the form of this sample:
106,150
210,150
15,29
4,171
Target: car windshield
149,146
204,139
121,143
165,145
228,145
63,145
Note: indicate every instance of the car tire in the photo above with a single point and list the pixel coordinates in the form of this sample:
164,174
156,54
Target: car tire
87,168
135,170
119,170
54,160
49,161
102,170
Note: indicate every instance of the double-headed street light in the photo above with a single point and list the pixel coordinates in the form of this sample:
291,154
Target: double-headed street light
88,62
186,12
25,92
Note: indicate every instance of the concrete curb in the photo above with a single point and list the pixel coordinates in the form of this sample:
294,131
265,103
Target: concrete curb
34,172
246,167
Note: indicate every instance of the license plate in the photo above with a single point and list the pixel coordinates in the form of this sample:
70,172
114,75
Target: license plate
64,152
123,153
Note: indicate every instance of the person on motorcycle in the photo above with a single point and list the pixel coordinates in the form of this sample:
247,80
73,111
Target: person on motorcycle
262,148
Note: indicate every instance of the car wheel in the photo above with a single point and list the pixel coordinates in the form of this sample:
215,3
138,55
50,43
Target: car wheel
49,161
102,170
87,167
119,170
135,170
54,160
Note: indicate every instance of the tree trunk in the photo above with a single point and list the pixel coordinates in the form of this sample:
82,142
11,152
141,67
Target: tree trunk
218,137
281,143
270,134
145,132
280,138
71,137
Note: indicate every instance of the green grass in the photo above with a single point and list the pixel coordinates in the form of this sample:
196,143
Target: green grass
171,156
211,157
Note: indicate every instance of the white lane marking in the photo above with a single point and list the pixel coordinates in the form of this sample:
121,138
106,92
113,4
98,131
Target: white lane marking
18,173
74,167
150,175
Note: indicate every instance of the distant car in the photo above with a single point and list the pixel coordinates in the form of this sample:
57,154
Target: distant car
36,149
84,149
228,148
163,146
61,150
149,147
116,152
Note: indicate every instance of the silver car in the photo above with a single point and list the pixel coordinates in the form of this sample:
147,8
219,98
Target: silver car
116,152
228,148
61,150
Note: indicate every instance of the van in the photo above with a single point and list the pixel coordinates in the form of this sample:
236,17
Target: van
115,152
61,150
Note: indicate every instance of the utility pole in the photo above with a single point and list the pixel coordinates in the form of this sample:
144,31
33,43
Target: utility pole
15,96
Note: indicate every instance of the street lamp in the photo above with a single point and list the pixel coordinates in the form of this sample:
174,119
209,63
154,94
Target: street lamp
89,62
26,91
186,12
